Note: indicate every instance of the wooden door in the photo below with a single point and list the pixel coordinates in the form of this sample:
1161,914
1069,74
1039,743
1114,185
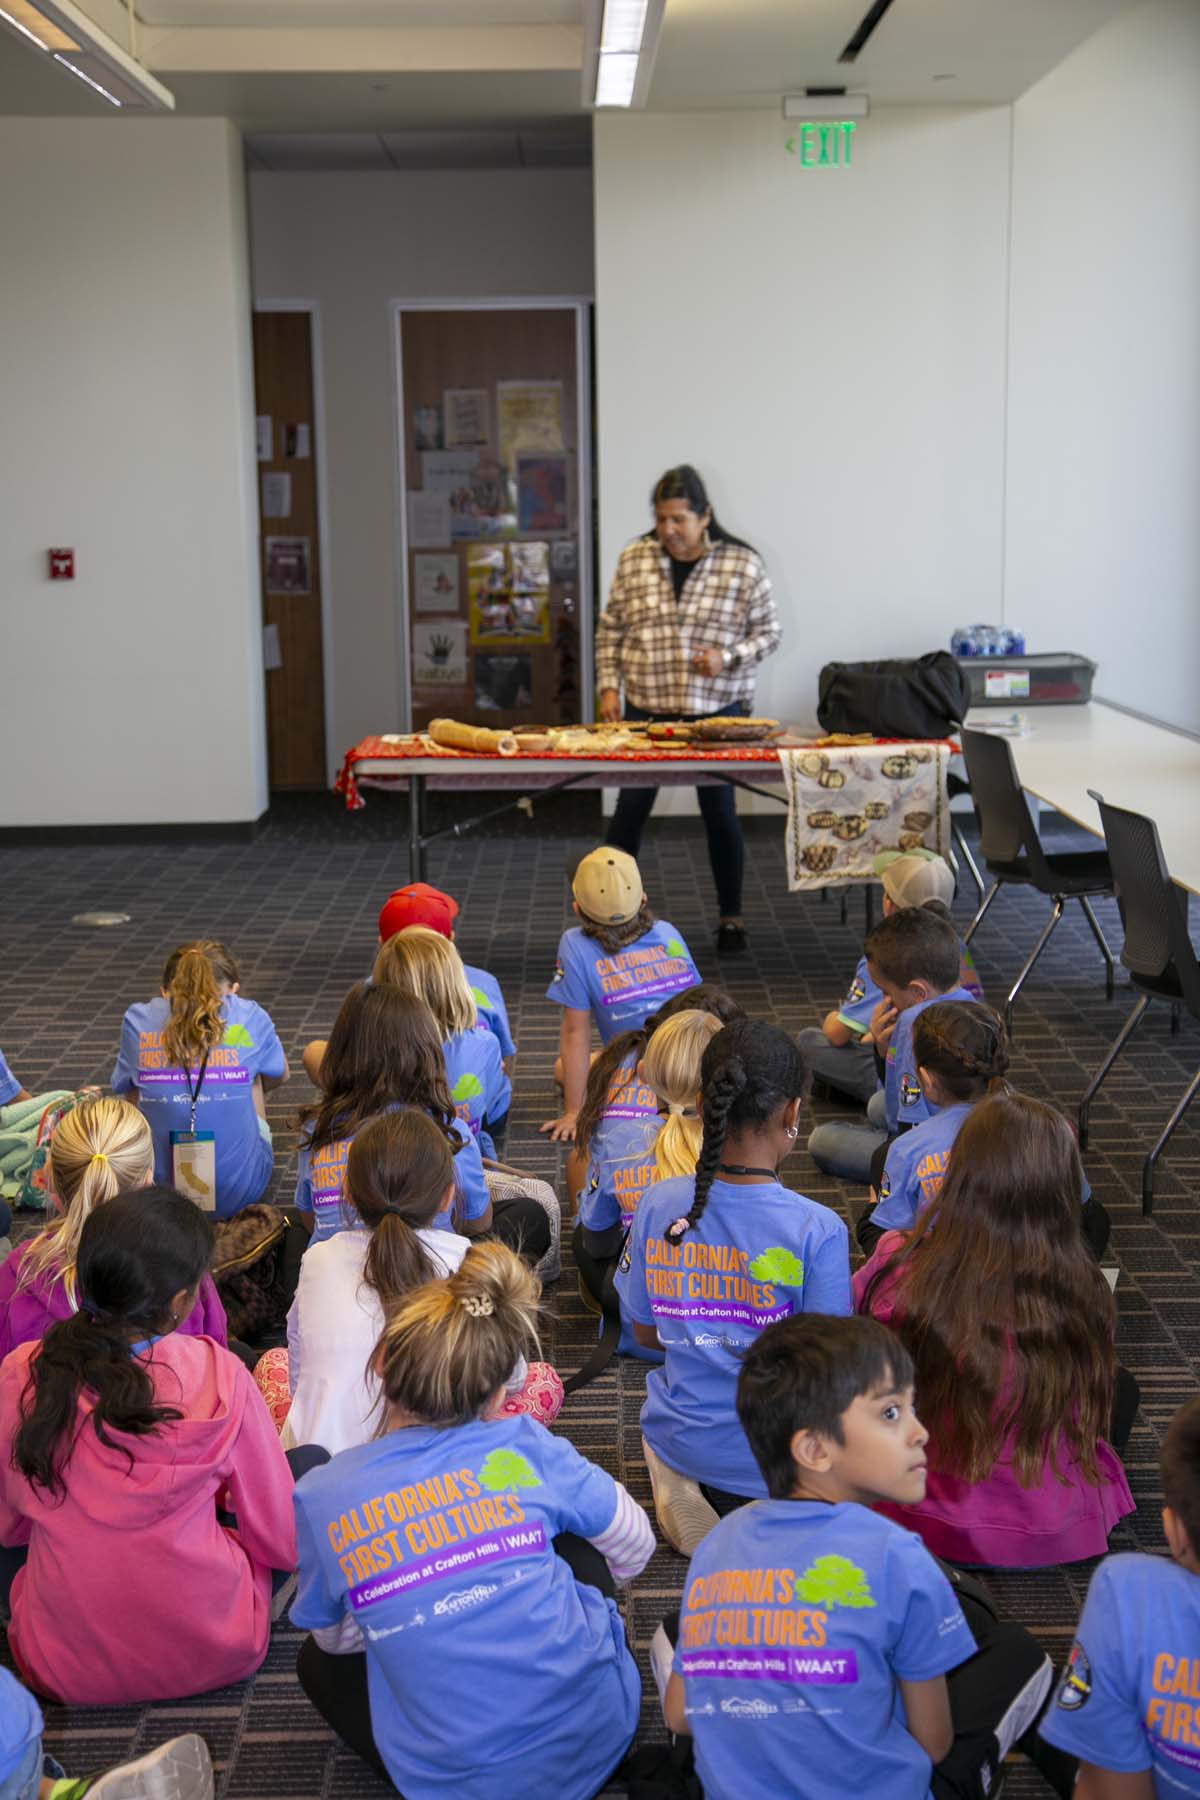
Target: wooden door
289,550
516,663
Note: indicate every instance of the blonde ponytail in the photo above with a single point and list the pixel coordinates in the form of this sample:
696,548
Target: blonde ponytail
671,1066
101,1149
192,982
450,1344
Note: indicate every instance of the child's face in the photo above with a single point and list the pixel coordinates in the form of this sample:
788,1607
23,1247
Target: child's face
883,1453
901,997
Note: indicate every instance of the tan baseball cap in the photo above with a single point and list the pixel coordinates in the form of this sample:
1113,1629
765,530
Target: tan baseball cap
911,877
607,886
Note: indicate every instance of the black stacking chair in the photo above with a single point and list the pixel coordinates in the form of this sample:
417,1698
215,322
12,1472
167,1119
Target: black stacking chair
1013,853
1157,952
955,785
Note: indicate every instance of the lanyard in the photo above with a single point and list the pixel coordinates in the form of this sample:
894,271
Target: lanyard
194,1093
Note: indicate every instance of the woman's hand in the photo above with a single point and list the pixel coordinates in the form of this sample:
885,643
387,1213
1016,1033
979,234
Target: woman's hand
610,705
562,1130
708,662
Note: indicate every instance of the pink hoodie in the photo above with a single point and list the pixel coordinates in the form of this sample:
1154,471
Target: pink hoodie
133,1591
27,1315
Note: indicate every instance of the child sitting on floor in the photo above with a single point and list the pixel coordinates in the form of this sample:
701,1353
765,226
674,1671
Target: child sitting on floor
1126,1700
1010,1325
423,962
841,1050
448,1557
201,1057
125,1439
399,1179
711,1260
616,966
420,904
100,1149
961,1052
913,958
178,1770
821,1625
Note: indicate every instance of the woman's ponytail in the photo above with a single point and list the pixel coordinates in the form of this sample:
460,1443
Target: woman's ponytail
397,1174
98,1150
671,1066
135,1254
451,1344
192,981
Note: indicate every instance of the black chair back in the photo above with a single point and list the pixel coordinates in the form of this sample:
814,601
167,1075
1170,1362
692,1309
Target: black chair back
1006,828
1153,909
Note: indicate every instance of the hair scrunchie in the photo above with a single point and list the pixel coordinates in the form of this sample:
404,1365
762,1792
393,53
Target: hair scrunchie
477,1305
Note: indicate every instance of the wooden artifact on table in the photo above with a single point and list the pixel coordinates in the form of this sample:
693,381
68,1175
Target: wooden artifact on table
735,731
476,738
664,731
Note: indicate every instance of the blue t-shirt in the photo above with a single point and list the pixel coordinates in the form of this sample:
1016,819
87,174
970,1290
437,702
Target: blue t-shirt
799,1622
321,1177
20,1727
479,1087
250,1048
759,1253
621,1153
621,991
1128,1698
904,1097
916,1163
492,1672
859,1001
489,1002
10,1087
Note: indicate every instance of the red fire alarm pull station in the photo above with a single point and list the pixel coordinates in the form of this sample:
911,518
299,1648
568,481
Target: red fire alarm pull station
62,565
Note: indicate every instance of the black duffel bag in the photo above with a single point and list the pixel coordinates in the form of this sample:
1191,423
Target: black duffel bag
906,697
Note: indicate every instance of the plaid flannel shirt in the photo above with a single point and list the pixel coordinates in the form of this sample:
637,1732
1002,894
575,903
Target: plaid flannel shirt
645,639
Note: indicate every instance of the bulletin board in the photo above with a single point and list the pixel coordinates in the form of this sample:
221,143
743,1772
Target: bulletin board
497,527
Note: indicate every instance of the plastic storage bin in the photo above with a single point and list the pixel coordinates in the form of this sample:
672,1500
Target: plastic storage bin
1052,678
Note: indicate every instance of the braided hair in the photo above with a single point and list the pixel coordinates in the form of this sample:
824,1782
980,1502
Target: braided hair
965,1045
750,1070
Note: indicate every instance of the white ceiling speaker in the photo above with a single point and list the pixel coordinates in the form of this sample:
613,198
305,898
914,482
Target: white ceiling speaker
79,46
822,106
619,47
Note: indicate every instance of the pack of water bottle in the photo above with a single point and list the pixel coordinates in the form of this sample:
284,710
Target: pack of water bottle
988,640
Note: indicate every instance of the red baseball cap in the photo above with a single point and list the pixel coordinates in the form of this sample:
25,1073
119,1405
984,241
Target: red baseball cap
417,904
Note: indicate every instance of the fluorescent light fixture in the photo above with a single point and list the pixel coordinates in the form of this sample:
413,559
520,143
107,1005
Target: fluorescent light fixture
80,47
826,106
620,44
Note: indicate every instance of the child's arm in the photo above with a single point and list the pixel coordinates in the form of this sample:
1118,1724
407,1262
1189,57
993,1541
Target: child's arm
260,1484
675,1706
883,1023
927,1709
312,1058
647,1336
837,1031
627,1544
1094,1783
575,1046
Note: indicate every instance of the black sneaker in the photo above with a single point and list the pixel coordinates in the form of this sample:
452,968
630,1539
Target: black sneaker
731,939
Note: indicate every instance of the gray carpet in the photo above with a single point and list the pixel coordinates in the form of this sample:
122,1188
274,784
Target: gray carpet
299,907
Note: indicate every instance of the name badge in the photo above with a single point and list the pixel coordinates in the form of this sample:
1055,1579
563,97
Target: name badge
194,1166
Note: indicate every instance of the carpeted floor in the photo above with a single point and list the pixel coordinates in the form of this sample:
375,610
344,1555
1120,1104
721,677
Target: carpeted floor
299,907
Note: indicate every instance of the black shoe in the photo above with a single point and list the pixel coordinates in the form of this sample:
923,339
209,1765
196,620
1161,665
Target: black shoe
731,939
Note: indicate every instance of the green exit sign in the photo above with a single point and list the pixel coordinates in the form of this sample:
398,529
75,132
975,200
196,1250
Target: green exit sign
823,146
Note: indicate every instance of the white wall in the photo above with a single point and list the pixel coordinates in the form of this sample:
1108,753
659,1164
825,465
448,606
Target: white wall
133,695
827,346
354,243
1103,550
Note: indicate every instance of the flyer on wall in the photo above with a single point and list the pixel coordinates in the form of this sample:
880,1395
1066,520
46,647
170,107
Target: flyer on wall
529,417
427,427
503,683
541,492
288,565
435,584
465,412
440,653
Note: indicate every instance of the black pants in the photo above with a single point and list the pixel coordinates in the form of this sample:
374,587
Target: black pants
718,809
1008,1671
521,1224
337,1685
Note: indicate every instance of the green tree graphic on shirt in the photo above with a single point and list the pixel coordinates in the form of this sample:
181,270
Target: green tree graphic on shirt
507,1469
467,1087
237,1034
676,947
834,1581
480,997
778,1265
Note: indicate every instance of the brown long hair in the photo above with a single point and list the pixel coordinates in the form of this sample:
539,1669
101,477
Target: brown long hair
1006,1316
704,997
397,1174
451,1344
384,1050
192,983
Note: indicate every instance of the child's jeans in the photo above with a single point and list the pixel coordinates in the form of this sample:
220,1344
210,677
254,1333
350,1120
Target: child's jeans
847,1068
846,1148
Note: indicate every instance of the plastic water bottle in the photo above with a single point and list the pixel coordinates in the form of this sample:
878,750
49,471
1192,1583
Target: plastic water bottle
964,642
1014,641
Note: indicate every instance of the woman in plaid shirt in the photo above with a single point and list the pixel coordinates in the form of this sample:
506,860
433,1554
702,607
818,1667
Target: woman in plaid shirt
689,618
